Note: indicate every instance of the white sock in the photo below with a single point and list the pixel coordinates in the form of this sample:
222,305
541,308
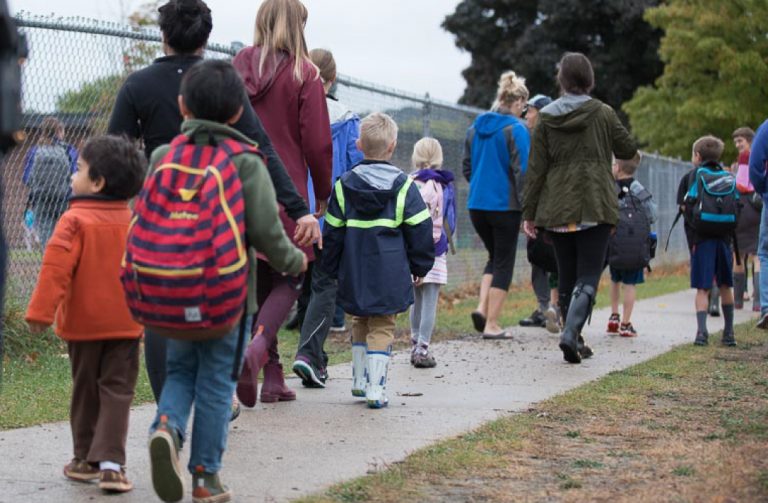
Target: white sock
109,465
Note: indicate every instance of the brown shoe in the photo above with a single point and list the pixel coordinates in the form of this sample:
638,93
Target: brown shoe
81,470
114,482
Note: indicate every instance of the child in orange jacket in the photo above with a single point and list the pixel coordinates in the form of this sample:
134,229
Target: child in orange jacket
79,285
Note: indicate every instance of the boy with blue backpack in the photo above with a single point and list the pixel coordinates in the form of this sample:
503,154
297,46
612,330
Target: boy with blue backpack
629,251
189,274
709,203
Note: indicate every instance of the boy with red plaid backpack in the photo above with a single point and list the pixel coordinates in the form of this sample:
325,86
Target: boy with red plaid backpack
186,272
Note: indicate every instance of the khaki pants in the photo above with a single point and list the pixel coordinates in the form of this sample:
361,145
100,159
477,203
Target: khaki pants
376,331
103,382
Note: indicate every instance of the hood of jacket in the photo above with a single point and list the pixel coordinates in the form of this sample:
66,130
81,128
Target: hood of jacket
441,176
570,113
195,127
337,111
489,123
371,185
258,83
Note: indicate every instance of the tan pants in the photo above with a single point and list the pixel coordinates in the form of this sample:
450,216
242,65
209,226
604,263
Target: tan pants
103,381
376,331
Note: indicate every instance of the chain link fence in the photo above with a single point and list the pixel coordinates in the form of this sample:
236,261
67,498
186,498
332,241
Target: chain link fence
77,65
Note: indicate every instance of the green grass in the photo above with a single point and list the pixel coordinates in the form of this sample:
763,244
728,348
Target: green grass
36,379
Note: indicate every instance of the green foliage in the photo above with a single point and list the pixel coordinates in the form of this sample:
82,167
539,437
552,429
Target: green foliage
530,36
91,97
715,77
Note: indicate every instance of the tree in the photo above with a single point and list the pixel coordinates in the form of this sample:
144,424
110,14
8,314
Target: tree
715,76
530,36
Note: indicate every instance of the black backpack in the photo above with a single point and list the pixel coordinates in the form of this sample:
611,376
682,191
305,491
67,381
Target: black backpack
50,177
630,246
713,203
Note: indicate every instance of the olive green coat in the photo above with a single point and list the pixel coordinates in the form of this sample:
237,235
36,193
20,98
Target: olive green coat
569,178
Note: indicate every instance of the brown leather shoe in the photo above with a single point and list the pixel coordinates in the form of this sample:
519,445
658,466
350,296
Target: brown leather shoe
114,482
81,470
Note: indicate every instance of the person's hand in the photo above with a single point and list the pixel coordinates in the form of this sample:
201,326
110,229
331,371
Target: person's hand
322,207
308,232
530,229
417,281
36,328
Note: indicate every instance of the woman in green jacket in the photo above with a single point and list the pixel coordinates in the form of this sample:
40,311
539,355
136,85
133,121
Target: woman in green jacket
570,191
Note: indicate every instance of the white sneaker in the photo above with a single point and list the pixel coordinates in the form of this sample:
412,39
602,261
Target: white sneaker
359,370
552,320
377,380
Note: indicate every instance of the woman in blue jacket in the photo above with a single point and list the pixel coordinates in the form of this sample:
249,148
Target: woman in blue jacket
495,160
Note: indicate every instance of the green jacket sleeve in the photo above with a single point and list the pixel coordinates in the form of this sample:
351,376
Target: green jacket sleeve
536,174
264,230
624,146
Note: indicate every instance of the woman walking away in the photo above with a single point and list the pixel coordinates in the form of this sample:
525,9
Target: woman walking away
287,93
147,108
318,311
570,191
495,161
436,188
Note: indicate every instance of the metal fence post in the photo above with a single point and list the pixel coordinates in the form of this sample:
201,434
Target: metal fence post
427,112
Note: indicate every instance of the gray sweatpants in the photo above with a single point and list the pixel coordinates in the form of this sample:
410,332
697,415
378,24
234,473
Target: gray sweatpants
423,312
540,282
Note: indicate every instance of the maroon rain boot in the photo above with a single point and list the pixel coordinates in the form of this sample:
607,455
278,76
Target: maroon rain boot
255,357
274,388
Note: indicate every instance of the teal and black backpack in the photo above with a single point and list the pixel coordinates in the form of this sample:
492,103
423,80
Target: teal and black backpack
713,203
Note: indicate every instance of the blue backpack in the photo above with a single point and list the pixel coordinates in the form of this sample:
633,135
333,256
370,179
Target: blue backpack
713,203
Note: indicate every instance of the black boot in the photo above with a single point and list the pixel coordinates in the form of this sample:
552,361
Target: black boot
739,286
714,301
584,350
578,311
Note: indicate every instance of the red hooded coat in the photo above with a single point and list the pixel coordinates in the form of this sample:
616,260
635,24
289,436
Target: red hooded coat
295,116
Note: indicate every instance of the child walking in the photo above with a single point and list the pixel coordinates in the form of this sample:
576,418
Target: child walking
711,256
378,234
199,372
631,192
436,188
79,288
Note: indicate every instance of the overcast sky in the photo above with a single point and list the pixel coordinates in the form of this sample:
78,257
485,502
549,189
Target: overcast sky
397,43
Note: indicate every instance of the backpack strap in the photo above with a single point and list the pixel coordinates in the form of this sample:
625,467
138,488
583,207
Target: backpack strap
669,236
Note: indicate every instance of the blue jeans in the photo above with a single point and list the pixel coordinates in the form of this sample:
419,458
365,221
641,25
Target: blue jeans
762,254
200,372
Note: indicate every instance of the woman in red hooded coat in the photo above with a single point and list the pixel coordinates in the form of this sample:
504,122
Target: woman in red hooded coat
287,94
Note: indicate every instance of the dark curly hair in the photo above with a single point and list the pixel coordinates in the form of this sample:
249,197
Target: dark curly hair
186,24
117,160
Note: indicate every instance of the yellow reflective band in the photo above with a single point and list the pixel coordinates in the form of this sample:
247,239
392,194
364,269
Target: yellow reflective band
368,224
340,197
418,217
400,207
333,221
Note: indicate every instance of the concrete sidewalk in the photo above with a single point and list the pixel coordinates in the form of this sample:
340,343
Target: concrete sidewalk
282,451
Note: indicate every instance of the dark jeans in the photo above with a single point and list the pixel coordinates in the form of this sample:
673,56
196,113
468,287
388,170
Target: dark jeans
580,259
154,358
319,315
306,293
499,231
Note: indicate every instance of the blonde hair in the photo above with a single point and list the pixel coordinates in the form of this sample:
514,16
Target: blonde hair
280,27
511,88
427,153
377,132
326,65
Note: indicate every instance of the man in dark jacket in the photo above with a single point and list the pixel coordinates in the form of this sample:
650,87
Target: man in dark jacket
758,175
378,235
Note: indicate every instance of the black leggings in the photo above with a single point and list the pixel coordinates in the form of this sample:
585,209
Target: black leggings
499,231
580,259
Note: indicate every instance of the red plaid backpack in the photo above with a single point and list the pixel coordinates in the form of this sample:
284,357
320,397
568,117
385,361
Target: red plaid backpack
185,270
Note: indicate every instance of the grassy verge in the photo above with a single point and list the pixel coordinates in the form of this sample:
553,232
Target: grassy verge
690,425
36,382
